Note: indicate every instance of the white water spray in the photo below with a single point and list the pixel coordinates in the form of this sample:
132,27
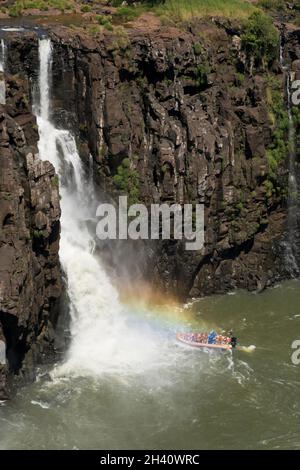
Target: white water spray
102,340
2,55
2,67
293,197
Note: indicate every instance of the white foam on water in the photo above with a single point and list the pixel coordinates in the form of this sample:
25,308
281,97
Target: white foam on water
11,29
43,405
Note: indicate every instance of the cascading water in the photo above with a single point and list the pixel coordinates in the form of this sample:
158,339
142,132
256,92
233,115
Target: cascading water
293,194
2,67
103,336
2,55
293,199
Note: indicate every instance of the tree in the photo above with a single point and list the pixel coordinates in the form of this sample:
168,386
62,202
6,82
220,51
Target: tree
261,39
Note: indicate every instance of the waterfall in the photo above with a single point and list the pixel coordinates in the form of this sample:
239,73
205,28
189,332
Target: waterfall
2,67
45,60
2,55
293,195
102,338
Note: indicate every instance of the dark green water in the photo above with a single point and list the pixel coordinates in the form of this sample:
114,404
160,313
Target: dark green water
184,399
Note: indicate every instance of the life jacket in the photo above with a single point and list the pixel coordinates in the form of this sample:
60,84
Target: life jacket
212,337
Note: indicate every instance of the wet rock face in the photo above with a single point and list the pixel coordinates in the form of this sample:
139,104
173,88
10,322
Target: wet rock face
196,125
30,276
292,40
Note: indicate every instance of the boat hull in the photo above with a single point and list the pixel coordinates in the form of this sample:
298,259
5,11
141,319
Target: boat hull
182,338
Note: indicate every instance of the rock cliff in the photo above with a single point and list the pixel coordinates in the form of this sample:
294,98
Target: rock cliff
196,123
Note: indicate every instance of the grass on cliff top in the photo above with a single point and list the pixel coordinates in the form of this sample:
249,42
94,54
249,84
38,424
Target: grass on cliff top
18,6
186,10
174,10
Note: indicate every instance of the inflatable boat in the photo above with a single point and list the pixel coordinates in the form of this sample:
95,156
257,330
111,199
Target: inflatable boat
201,341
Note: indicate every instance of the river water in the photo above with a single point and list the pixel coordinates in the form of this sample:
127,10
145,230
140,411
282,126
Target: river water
177,397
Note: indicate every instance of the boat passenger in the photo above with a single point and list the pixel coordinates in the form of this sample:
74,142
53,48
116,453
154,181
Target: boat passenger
212,337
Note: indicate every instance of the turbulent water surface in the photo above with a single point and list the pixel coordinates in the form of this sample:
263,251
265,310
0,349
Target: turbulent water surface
169,396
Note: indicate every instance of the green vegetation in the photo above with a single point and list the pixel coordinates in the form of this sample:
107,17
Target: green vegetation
126,14
105,21
239,78
202,72
198,48
170,11
296,115
183,10
239,207
279,148
269,187
86,8
43,5
7,196
15,10
37,234
121,42
55,181
186,10
127,181
260,39
164,168
95,29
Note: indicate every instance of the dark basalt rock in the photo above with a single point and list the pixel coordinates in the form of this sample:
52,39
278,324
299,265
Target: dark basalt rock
195,124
